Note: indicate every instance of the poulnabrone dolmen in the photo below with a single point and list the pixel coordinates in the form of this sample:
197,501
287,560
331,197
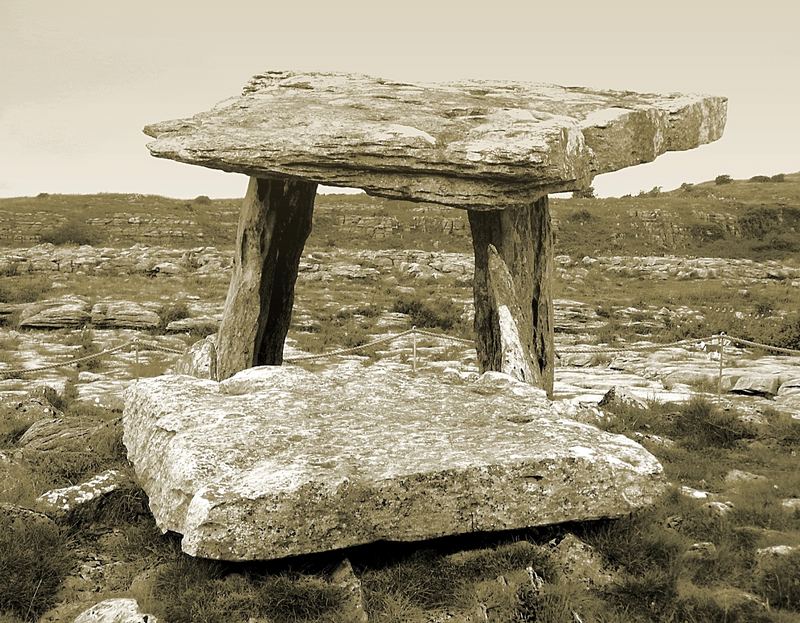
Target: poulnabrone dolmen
265,462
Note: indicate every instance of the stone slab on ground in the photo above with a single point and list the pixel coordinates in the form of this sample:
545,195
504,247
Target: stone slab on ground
119,610
124,315
278,461
68,311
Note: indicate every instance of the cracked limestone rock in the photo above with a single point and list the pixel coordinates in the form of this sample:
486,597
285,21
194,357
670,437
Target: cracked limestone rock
62,502
277,461
119,610
123,315
69,311
480,145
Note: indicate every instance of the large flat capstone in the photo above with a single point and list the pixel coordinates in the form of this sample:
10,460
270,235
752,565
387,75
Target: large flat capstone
278,461
469,144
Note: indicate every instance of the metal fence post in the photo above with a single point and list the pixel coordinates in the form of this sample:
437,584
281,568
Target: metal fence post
414,347
136,359
721,358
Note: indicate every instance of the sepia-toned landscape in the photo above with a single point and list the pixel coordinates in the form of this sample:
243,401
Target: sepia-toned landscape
128,283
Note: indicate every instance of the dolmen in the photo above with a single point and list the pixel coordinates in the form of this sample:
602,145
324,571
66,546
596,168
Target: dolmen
264,461
495,149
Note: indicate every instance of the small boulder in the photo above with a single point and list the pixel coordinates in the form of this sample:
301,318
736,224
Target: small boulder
46,394
201,324
120,610
720,509
702,551
32,410
20,518
581,563
620,396
653,440
757,384
791,504
734,600
352,609
200,360
695,494
774,552
167,268
59,434
738,476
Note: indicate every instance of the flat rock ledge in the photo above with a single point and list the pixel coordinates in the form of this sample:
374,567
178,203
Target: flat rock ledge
475,144
280,461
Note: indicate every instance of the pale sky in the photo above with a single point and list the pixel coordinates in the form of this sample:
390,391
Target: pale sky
79,79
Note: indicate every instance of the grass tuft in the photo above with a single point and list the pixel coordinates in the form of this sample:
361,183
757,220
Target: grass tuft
703,424
34,561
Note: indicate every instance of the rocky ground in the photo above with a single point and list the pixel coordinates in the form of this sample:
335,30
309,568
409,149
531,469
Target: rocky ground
60,428
166,298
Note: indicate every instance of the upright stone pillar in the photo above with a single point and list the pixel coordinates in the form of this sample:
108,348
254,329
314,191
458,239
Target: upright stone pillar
274,224
513,299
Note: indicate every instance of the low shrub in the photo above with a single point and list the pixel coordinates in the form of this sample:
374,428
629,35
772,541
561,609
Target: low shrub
702,424
580,216
73,231
723,179
760,178
171,312
367,311
428,312
782,429
626,418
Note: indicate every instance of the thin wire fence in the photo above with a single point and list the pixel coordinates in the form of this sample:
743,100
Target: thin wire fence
715,343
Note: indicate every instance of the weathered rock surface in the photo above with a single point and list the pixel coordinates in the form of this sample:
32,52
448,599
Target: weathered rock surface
471,144
277,461
119,610
370,264
620,396
353,607
68,311
124,315
581,562
62,502
199,360
762,385
58,434
34,409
